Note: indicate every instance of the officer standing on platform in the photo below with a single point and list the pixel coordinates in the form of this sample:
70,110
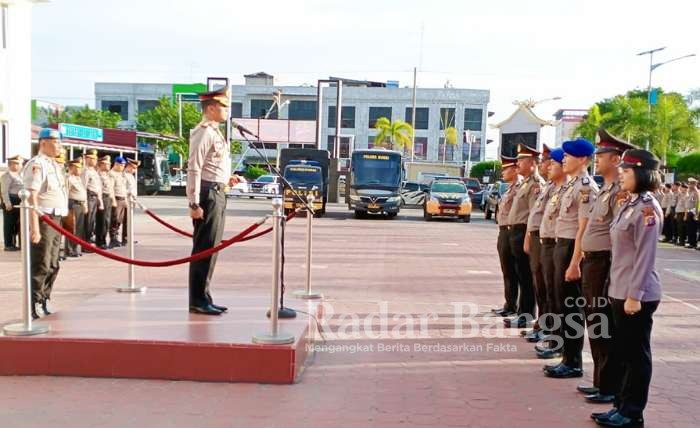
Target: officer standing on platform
77,206
635,288
10,185
104,216
131,192
681,210
691,216
208,171
576,201
526,194
595,266
43,178
505,256
93,185
118,211
552,199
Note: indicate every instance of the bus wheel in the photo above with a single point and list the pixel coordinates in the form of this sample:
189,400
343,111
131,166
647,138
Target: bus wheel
391,215
360,214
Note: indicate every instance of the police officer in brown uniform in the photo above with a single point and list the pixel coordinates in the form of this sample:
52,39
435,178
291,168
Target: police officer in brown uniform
93,186
104,216
208,171
691,215
10,185
666,206
131,192
77,206
552,199
43,178
119,211
681,210
595,266
635,287
524,200
505,256
576,202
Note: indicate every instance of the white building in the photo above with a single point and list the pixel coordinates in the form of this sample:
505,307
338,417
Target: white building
524,127
15,78
566,122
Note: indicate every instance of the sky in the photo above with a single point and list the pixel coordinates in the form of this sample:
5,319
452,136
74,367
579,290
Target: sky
581,51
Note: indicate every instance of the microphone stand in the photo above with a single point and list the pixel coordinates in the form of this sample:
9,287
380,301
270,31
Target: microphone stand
282,312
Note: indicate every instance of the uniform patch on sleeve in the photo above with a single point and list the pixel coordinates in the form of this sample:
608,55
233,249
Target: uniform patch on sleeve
649,216
621,197
36,169
585,181
585,196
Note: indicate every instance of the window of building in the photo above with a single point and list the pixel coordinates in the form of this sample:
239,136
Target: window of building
446,152
347,117
259,108
302,110
4,141
476,150
236,110
447,117
344,146
146,105
420,148
422,114
472,119
370,141
377,112
119,107
4,22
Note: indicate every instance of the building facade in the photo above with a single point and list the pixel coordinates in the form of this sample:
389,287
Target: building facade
15,79
566,121
363,103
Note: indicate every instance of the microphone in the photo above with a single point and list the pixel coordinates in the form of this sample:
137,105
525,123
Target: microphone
242,129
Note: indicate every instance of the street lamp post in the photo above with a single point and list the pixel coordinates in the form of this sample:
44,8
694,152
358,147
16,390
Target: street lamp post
653,67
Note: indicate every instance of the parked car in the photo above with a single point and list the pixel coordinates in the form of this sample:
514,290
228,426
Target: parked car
265,185
475,190
447,197
239,189
492,197
413,193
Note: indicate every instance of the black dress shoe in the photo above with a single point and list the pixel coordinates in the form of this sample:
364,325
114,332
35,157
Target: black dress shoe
548,354
205,310
497,310
599,398
219,307
35,316
603,415
564,372
44,308
588,390
103,247
621,421
535,336
549,367
517,322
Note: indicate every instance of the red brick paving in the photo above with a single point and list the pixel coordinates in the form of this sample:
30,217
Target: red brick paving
419,268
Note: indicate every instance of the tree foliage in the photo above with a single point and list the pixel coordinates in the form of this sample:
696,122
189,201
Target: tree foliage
688,166
86,116
481,169
671,127
397,133
164,119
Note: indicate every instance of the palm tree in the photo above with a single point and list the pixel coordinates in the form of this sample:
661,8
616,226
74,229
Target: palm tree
591,123
397,132
450,134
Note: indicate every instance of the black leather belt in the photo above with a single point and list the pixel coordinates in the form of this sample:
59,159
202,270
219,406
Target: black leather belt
120,198
517,226
548,241
92,194
535,233
211,185
597,254
502,227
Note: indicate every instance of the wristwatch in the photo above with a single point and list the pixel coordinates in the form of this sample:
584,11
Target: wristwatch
194,206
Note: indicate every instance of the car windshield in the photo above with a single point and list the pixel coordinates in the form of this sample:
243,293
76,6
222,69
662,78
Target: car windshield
265,179
449,187
303,175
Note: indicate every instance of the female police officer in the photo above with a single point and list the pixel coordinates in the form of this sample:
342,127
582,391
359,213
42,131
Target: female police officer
635,289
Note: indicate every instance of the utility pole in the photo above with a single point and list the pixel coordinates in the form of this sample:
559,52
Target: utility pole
413,116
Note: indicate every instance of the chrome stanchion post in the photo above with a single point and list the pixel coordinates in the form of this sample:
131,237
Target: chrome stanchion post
307,293
275,337
27,327
131,287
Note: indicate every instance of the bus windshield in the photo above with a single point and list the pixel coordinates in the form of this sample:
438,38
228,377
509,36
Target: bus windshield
303,175
372,170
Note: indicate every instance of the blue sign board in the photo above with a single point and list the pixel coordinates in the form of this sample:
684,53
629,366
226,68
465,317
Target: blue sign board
80,132
653,97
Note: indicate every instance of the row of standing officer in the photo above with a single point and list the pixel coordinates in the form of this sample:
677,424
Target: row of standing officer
681,204
567,263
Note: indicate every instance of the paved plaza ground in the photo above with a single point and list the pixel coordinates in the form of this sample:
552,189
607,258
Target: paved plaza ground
415,273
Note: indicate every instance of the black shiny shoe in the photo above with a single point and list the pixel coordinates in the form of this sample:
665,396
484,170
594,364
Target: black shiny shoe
44,308
588,390
517,322
35,316
548,354
603,415
599,398
620,421
219,307
564,372
205,310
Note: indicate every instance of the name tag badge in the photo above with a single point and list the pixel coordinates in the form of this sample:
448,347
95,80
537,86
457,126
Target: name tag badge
606,197
628,214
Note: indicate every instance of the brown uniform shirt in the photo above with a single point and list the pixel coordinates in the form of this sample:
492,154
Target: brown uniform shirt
44,175
119,184
76,188
551,212
210,158
534,220
505,204
576,203
91,180
691,203
10,184
596,237
681,202
107,184
524,200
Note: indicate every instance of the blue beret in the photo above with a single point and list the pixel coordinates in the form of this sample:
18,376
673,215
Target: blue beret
579,148
557,155
120,160
47,133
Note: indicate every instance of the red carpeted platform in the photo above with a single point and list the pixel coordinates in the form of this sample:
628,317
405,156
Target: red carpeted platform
152,336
